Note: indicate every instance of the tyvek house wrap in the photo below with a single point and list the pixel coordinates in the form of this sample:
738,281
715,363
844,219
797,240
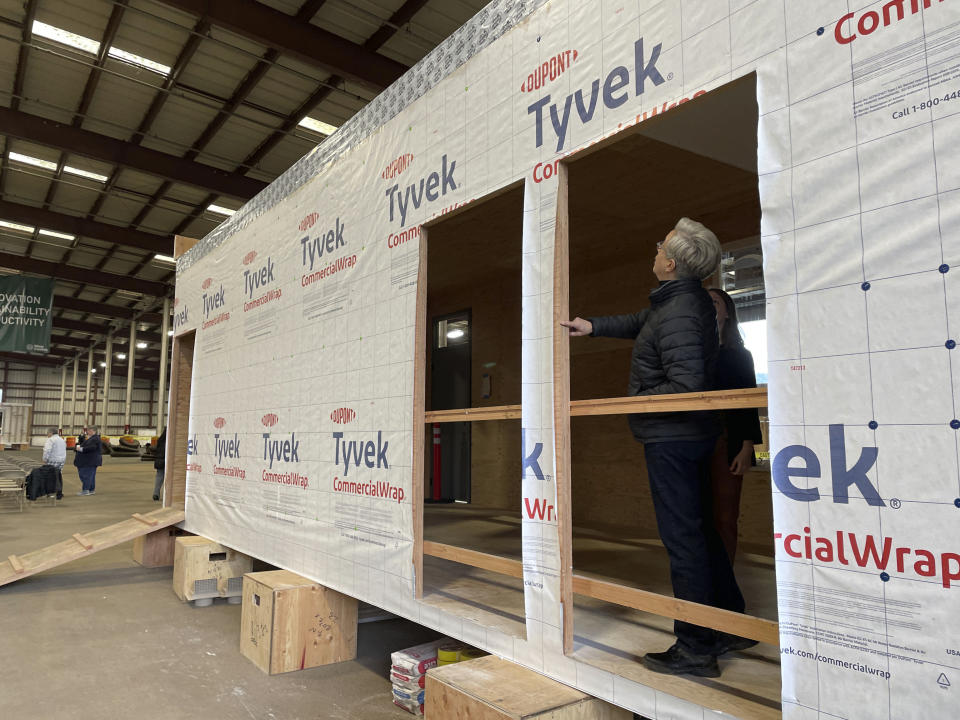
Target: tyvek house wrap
860,190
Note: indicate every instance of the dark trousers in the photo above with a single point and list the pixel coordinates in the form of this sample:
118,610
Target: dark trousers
700,569
88,478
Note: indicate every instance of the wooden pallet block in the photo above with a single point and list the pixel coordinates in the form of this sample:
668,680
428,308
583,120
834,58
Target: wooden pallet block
490,688
204,569
289,622
156,549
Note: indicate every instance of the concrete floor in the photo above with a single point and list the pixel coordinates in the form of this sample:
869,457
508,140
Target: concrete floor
104,637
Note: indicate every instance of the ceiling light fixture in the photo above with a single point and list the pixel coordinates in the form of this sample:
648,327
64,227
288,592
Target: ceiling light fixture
65,37
455,333
60,235
141,345
139,61
318,126
220,210
85,173
35,161
16,226
121,356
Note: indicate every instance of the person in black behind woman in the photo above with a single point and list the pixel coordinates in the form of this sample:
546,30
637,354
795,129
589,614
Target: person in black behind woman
159,464
733,454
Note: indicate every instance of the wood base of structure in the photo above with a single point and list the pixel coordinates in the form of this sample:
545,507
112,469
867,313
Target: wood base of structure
493,689
157,548
289,622
204,569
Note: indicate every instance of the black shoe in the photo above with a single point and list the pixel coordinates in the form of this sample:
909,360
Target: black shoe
156,497
677,661
732,643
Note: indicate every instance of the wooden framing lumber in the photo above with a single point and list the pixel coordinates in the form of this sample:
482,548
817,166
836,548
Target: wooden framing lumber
473,558
561,402
760,629
146,520
84,542
419,401
63,552
474,414
679,402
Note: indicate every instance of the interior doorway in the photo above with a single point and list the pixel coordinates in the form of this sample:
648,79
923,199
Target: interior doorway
450,389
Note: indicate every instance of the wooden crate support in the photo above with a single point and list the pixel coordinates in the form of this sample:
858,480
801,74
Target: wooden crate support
289,622
204,569
156,549
489,688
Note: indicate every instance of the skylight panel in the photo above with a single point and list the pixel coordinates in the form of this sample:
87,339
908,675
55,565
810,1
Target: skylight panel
139,61
64,37
85,173
17,226
220,210
165,258
30,160
318,126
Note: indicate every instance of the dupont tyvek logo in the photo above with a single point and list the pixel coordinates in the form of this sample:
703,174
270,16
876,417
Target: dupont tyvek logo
206,283
226,447
219,422
870,21
326,243
269,420
351,453
213,302
284,450
343,415
614,93
427,189
179,316
309,221
397,166
549,70
258,282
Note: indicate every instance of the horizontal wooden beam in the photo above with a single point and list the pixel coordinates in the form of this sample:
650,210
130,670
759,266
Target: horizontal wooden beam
494,412
759,629
473,558
680,402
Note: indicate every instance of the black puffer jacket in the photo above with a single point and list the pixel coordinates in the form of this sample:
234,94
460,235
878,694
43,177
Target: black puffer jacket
674,351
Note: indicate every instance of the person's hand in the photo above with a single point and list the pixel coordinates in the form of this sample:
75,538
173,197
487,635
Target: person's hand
741,462
578,326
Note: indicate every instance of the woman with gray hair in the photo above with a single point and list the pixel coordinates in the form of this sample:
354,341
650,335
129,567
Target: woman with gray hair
675,347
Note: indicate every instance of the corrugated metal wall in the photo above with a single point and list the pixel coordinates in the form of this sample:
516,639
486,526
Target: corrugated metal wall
40,387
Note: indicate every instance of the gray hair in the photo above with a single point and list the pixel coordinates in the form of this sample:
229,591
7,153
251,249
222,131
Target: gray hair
52,431
93,428
694,248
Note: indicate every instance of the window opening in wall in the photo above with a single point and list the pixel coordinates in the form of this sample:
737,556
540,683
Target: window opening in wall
616,201
467,472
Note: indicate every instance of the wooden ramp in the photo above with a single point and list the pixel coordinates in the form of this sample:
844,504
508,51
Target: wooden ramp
16,567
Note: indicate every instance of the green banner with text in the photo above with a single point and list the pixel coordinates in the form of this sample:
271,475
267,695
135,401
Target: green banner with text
25,316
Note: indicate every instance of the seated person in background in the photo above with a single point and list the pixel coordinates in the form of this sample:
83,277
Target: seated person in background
674,351
733,454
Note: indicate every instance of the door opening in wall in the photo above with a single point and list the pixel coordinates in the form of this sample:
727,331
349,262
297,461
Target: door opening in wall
617,201
467,395
450,389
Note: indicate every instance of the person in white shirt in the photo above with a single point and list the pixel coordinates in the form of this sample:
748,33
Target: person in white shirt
54,449
55,453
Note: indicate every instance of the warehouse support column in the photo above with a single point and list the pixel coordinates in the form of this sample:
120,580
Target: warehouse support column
162,380
104,415
63,395
131,356
73,396
86,395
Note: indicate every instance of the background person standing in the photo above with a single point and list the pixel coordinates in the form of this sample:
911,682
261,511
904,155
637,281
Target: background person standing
160,464
89,457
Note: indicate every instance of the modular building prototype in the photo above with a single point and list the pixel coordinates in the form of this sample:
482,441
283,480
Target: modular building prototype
379,329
